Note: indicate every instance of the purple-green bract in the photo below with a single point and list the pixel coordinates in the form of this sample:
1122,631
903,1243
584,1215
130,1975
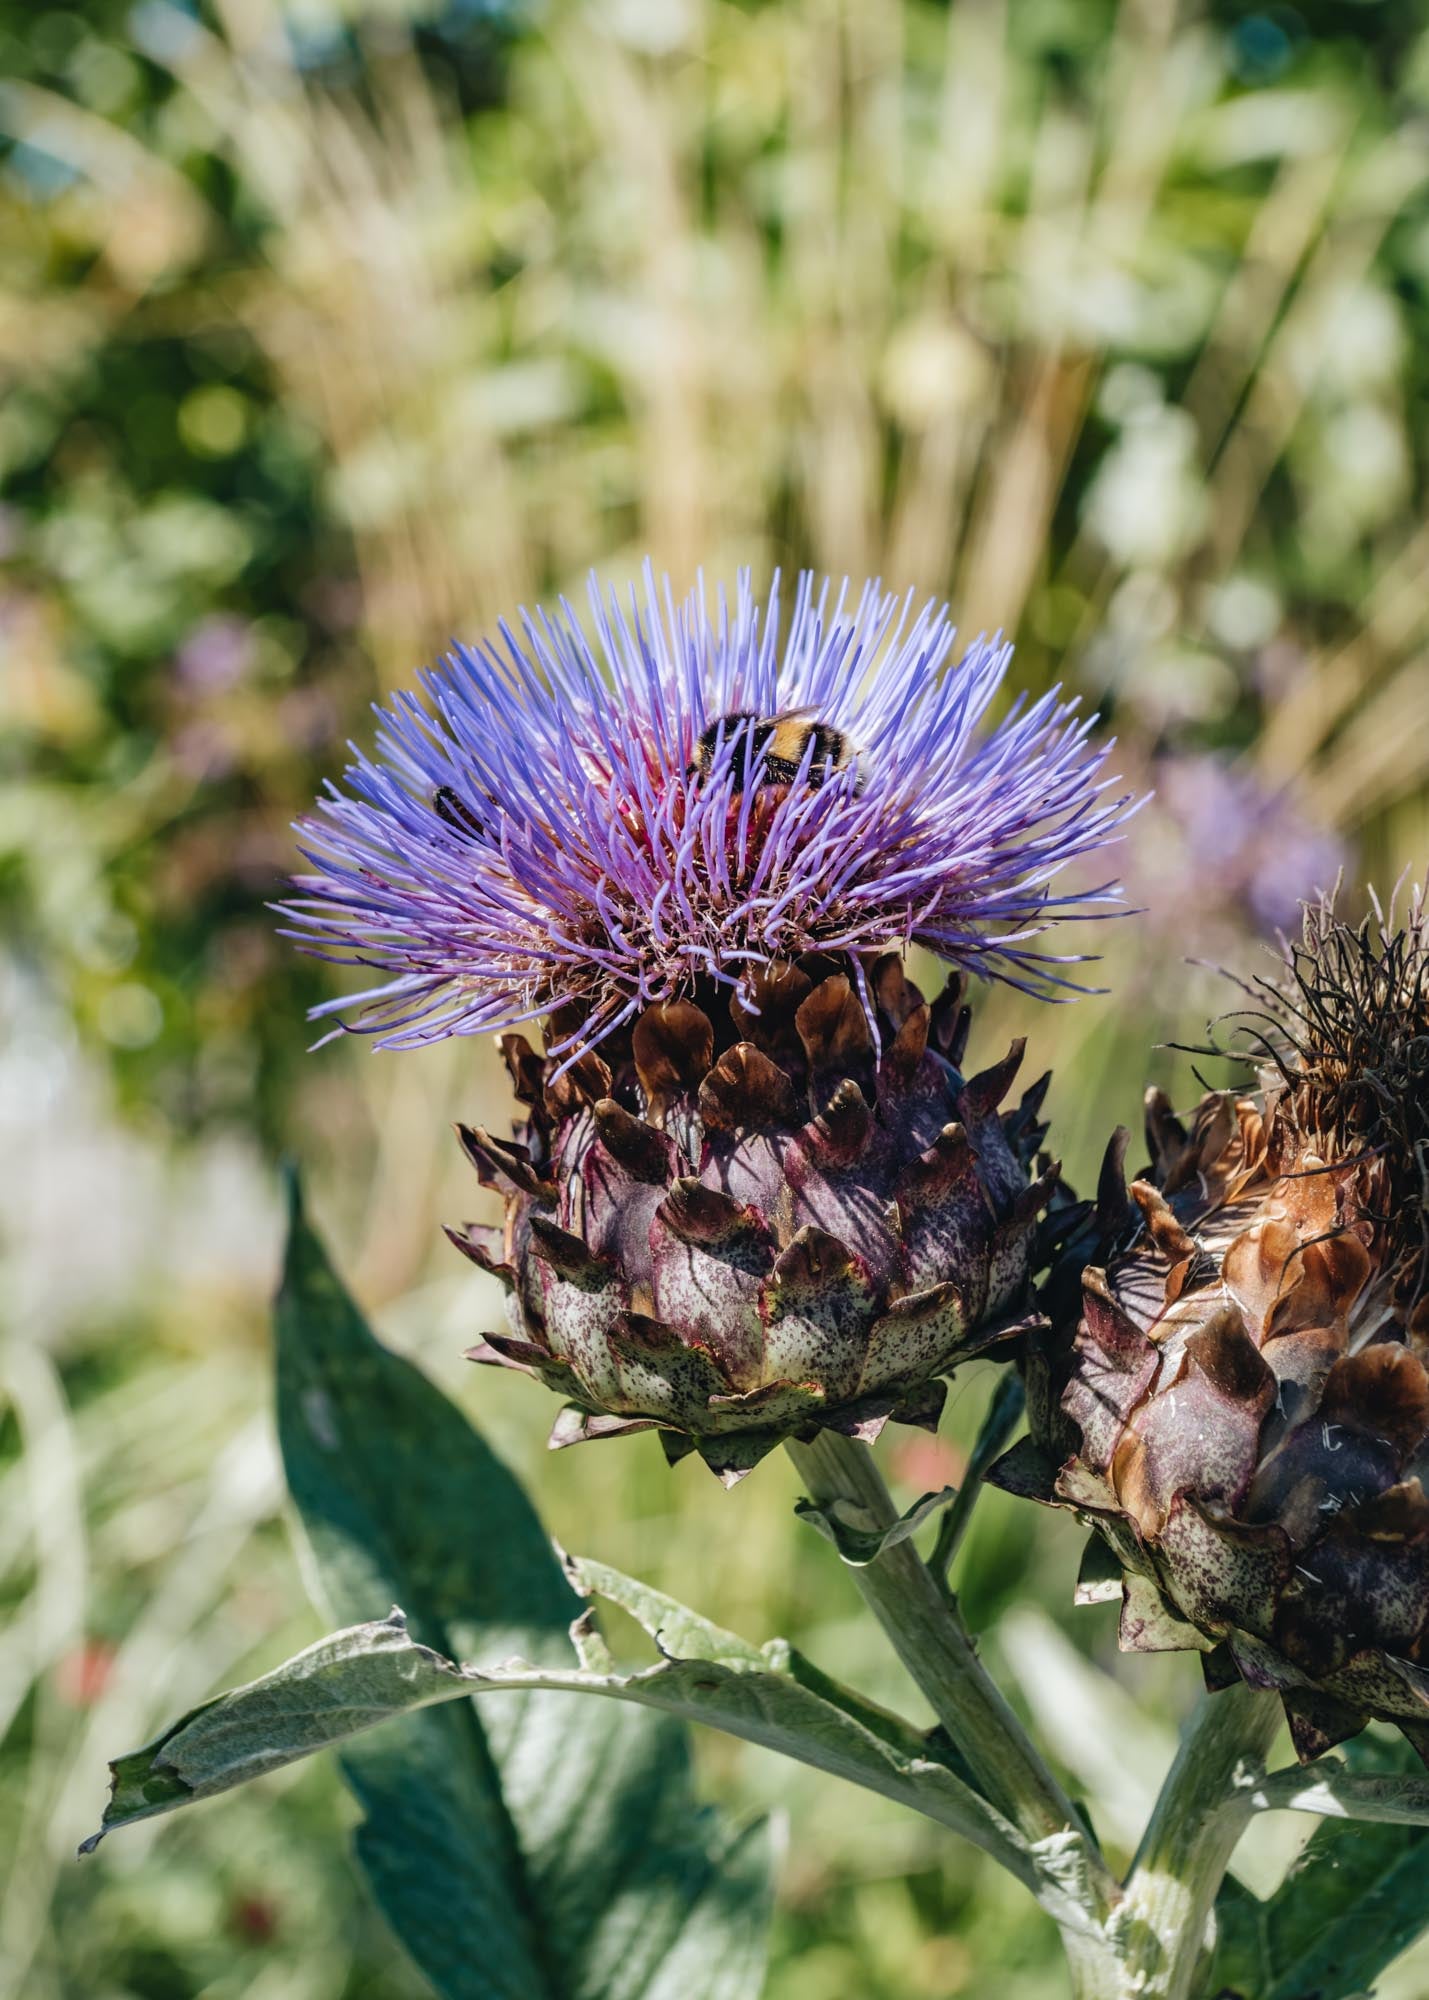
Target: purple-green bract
528,836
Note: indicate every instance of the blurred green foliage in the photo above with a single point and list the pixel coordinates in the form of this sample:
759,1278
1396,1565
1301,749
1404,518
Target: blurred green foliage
334,328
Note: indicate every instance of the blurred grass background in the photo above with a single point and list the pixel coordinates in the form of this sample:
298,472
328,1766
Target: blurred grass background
333,328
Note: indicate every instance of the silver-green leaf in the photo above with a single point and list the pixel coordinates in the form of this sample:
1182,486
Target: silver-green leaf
364,1675
344,1684
548,1849
859,1543
1354,1898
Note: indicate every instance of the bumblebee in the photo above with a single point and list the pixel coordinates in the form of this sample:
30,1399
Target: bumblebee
770,749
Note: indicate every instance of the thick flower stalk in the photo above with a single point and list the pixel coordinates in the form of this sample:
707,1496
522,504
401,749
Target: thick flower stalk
754,1193
1245,1416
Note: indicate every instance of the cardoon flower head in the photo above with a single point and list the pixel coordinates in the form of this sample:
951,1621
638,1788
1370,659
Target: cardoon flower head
754,1193
533,840
1245,1417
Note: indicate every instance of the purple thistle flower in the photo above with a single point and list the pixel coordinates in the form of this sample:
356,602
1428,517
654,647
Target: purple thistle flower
532,838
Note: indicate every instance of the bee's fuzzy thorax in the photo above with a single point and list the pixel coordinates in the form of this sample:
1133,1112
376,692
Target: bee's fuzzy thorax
772,750
790,737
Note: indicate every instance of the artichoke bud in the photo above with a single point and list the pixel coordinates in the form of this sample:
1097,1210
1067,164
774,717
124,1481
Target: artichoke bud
748,1219
1244,1408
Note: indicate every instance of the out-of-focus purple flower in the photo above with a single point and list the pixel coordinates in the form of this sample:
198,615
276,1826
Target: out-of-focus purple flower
334,601
531,838
215,654
205,750
1245,844
309,717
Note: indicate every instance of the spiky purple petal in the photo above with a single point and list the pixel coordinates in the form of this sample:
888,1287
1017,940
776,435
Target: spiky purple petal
577,863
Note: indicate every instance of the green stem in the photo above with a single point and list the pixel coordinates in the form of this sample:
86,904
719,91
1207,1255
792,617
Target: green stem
934,1645
997,1427
1161,1927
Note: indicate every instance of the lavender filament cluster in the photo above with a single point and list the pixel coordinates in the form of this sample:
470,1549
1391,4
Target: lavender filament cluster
529,836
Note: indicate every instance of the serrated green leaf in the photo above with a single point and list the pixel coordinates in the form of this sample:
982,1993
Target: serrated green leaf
844,1524
1352,1901
1335,1790
346,1683
551,1846
747,1697
400,1500
680,1633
